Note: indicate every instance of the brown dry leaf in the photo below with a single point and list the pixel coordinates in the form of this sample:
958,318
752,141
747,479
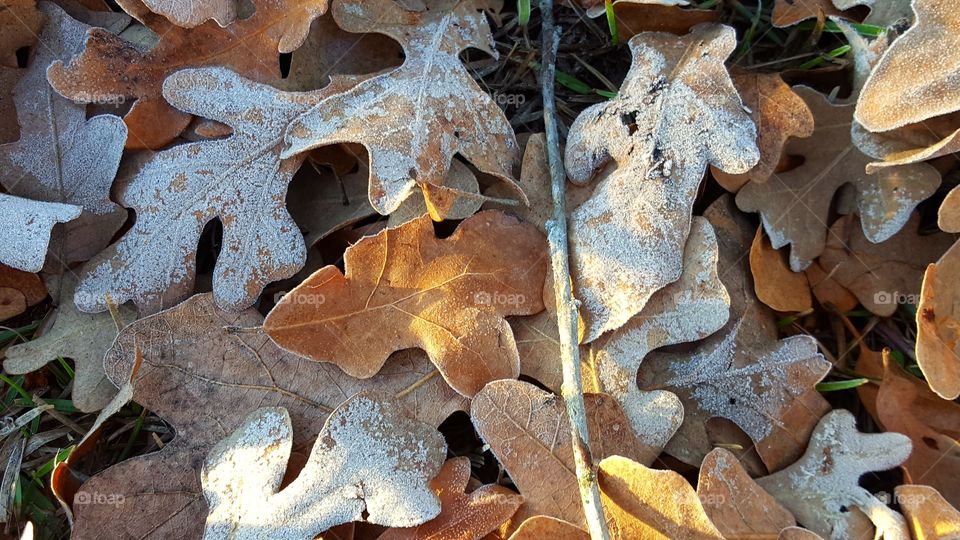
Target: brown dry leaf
929,516
62,156
885,274
736,505
640,502
240,180
635,17
916,78
904,404
827,290
467,200
882,12
821,489
20,22
773,281
193,361
938,325
761,386
778,112
369,463
949,215
414,118
80,336
540,527
190,13
322,203
790,12
27,226
528,431
676,112
29,285
795,205
112,69
462,516
798,533
406,288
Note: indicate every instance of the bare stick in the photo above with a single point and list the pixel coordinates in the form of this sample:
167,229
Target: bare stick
572,389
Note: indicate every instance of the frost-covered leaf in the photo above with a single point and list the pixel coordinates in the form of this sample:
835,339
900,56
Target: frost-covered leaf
885,274
80,336
794,205
112,69
736,505
529,433
462,516
821,488
928,514
938,325
882,12
414,118
27,225
919,75
676,112
240,180
369,463
204,379
62,156
406,288
190,13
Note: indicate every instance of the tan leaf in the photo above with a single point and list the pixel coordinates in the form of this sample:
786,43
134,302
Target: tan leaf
406,288
240,180
938,329
635,17
204,378
916,69
29,285
190,13
790,12
463,186
369,463
80,336
110,68
27,225
949,216
775,284
827,290
736,505
795,205
905,156
930,517
676,113
20,22
798,533
528,431
640,502
462,516
12,302
414,118
821,488
62,156
778,112
539,527
881,275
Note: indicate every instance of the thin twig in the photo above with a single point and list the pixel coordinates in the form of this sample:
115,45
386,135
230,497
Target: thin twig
572,389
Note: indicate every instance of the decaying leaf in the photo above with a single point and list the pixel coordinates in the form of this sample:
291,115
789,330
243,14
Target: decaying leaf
821,488
204,378
406,288
528,431
80,336
885,274
736,505
928,515
462,516
190,13
62,156
775,284
938,329
640,502
917,77
790,12
676,113
369,463
240,180
414,118
27,225
794,205
778,112
112,69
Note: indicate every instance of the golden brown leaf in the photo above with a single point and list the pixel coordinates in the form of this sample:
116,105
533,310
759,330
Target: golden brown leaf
634,18
827,291
540,527
949,216
938,329
790,12
929,516
775,284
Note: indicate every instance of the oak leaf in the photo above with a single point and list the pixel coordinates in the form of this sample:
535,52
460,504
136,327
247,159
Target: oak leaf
794,205
538,527
190,13
369,463
20,22
462,516
938,330
930,517
18,291
194,360
406,288
634,17
790,12
736,505
110,68
414,118
323,204
883,12
775,284
798,533
28,225
676,112
948,219
821,488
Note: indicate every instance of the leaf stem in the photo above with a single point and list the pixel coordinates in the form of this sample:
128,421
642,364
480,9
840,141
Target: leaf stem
567,319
